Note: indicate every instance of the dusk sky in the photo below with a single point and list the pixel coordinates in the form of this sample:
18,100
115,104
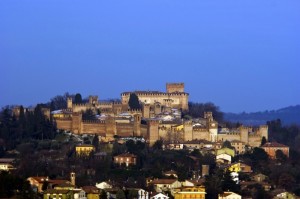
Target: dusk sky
240,55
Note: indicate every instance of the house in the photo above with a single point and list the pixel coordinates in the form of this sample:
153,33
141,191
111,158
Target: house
79,194
125,158
239,167
141,193
239,146
6,164
192,183
190,192
37,182
84,149
224,155
158,196
64,194
229,195
285,195
92,192
271,148
259,177
198,144
104,185
165,184
61,194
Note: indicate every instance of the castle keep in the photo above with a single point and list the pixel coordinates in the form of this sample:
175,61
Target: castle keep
161,116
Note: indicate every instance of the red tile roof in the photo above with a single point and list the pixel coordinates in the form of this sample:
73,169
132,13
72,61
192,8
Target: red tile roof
273,144
126,155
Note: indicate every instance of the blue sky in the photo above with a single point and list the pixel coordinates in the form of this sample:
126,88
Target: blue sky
240,55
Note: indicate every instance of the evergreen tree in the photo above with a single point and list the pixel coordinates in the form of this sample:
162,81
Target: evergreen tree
120,194
78,98
134,102
95,142
263,141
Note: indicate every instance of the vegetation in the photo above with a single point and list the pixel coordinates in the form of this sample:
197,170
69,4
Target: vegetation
134,102
197,110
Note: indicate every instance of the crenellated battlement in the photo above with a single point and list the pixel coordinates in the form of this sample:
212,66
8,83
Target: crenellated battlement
106,103
198,129
81,104
93,121
254,135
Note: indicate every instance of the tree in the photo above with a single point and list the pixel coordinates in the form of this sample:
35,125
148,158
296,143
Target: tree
120,194
88,115
157,145
263,141
286,181
134,102
229,184
95,142
280,156
103,194
198,109
227,144
59,101
78,98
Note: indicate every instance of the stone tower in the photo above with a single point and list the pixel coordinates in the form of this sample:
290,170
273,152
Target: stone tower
212,126
157,108
263,130
244,132
188,130
72,178
111,127
146,110
76,122
153,135
93,100
175,87
137,125
69,103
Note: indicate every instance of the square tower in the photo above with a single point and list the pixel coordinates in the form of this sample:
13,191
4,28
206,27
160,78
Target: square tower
175,87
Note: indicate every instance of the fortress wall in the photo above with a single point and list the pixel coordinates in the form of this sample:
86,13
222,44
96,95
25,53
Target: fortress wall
254,140
124,130
64,124
229,136
144,130
80,108
201,134
93,127
106,105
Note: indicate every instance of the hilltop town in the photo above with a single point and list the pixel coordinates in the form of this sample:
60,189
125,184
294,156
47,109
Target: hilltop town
145,145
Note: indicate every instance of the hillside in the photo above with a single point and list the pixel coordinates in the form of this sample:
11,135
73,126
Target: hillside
288,115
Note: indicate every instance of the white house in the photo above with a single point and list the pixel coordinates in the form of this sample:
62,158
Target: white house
165,184
159,196
79,194
103,185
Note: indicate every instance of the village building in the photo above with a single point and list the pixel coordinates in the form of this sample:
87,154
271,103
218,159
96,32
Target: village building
239,167
7,164
271,148
189,193
158,196
125,158
165,184
84,149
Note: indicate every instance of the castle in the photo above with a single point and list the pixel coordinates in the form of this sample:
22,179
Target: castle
149,123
